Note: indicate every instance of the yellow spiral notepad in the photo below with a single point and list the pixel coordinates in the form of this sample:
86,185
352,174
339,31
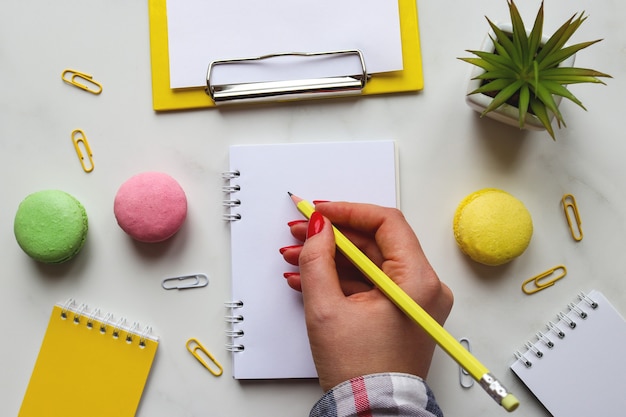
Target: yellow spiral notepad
89,364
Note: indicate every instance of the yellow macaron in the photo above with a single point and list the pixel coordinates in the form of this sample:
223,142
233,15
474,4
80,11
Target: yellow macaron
492,227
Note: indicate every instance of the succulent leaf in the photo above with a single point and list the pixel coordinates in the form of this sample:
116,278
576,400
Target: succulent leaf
536,33
544,95
505,41
524,101
498,61
569,75
503,96
495,85
480,63
501,50
498,73
539,110
560,37
557,89
561,55
520,39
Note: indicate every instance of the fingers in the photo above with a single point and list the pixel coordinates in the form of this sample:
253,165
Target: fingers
383,234
318,272
392,232
351,281
387,239
340,308
291,254
363,241
401,255
348,287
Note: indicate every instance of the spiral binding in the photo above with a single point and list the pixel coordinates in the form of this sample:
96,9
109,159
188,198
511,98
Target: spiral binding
233,332
544,341
229,202
82,315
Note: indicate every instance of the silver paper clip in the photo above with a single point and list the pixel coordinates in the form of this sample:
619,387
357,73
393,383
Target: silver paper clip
287,89
465,378
185,282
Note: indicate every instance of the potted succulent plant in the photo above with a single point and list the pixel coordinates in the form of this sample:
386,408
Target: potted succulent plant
521,77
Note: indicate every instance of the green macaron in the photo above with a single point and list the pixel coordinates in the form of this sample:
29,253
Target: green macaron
50,226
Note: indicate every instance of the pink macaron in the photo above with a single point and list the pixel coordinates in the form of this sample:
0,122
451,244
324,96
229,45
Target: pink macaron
150,207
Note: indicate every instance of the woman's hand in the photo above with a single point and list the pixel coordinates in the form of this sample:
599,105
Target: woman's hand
354,329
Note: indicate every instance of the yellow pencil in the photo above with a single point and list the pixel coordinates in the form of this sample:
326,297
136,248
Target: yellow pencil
441,336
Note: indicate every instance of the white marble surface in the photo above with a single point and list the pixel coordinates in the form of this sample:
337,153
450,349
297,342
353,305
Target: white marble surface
446,152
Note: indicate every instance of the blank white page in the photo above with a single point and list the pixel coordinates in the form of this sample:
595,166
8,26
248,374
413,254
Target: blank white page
274,332
583,374
201,31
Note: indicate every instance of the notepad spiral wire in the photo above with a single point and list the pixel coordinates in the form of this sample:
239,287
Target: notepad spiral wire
556,330
234,332
231,202
107,324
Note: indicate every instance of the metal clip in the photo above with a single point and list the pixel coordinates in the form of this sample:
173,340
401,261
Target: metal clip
569,205
186,282
538,279
79,139
193,346
288,89
70,76
465,379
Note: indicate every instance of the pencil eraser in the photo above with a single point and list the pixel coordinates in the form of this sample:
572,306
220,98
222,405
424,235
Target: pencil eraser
510,403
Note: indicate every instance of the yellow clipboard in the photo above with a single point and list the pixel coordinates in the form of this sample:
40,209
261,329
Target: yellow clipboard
410,78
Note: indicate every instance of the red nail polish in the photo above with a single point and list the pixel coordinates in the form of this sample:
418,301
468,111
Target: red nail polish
286,248
316,224
320,201
291,274
294,222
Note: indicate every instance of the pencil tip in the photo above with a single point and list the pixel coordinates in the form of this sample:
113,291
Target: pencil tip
290,193
294,198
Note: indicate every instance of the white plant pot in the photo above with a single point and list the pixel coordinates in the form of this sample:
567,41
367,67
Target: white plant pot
505,113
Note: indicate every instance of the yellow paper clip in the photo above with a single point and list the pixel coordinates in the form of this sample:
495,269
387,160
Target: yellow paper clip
193,346
80,140
571,209
539,282
71,76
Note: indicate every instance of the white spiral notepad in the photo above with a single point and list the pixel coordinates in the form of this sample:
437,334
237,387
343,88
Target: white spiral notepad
582,374
267,328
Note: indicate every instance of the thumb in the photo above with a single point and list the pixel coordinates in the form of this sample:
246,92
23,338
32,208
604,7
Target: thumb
318,272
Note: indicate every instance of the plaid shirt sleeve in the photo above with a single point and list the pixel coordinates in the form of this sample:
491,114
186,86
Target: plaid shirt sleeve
385,394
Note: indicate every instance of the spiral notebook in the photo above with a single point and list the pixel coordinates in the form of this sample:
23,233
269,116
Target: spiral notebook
89,364
582,374
269,338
